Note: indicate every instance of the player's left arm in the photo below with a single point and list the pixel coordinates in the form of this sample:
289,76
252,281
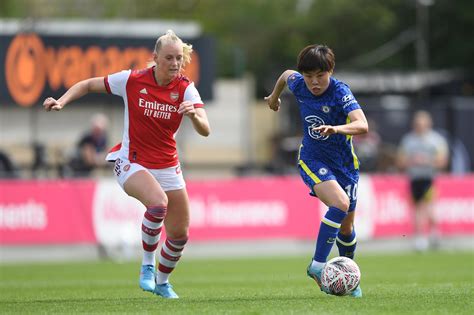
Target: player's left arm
442,154
198,117
357,126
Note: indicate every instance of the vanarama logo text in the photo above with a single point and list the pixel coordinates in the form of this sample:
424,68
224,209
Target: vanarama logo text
31,66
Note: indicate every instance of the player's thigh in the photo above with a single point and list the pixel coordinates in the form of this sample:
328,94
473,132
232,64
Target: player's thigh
144,187
177,219
332,195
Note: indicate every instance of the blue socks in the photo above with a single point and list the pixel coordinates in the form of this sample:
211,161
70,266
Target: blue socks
328,230
347,244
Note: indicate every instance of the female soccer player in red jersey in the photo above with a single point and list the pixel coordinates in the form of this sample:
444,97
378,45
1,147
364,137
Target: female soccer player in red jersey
146,161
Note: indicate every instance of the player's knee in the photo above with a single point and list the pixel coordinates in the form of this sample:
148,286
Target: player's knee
343,204
156,201
161,200
179,236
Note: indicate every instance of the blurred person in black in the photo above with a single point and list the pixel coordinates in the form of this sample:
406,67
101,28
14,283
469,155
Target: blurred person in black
7,166
91,149
422,153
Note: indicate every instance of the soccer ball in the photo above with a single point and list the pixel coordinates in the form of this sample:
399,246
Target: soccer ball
340,276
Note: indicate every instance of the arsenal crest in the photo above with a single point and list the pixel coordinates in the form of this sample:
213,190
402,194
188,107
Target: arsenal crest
174,96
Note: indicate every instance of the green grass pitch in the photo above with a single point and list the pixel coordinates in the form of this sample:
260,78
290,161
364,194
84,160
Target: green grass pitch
431,283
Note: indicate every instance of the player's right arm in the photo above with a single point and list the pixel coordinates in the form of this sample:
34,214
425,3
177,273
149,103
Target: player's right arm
81,88
273,100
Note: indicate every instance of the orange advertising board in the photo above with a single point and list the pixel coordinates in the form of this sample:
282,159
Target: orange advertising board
35,66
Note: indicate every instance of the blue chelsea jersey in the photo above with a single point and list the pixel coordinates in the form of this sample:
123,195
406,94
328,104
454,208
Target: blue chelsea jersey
330,108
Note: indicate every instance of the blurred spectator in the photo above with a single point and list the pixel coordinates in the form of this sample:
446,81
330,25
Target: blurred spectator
367,148
40,163
7,167
91,148
422,152
284,154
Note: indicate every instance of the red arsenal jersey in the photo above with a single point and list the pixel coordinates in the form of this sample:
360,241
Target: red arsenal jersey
151,116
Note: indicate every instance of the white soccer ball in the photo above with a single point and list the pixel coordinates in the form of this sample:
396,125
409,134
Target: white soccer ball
340,276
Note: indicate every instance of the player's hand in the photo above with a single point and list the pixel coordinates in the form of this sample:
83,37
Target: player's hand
421,159
187,108
326,130
52,104
273,103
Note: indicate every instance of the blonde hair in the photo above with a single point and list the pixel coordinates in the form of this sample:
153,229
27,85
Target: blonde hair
168,37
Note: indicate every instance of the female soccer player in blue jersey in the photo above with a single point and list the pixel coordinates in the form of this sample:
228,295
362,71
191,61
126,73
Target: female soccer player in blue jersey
326,161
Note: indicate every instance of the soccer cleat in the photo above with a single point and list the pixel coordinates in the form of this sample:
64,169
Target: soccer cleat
357,293
147,278
165,290
315,274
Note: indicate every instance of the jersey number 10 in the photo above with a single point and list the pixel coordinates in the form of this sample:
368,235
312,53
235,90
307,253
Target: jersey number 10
351,191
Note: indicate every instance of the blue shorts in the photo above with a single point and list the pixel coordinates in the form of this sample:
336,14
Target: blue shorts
314,172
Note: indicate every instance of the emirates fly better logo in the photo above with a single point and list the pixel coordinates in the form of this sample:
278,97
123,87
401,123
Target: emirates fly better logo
157,110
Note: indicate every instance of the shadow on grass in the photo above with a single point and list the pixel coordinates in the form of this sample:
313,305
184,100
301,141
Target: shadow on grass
251,299
193,300
101,300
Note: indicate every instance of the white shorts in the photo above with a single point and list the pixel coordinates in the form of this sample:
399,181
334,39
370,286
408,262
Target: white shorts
170,178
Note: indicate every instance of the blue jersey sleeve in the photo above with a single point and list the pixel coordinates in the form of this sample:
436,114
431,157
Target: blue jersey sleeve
295,82
346,99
